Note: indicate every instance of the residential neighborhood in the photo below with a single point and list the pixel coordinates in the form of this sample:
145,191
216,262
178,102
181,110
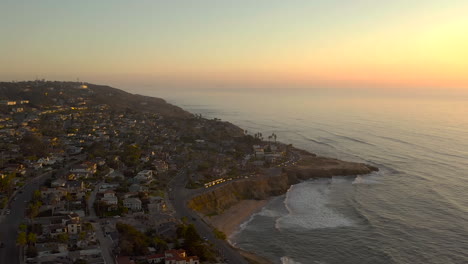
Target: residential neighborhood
104,168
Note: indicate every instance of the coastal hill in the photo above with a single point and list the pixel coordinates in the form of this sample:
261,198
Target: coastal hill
53,92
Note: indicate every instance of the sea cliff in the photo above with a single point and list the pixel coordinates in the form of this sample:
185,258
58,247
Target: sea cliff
219,199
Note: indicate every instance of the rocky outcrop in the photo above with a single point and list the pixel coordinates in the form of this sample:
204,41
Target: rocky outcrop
221,198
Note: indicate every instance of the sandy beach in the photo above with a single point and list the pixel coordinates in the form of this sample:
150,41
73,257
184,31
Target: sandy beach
229,222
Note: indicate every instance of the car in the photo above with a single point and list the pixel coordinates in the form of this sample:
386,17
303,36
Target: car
7,212
16,198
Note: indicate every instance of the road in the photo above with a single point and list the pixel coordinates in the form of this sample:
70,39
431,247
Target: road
10,223
179,196
9,227
104,242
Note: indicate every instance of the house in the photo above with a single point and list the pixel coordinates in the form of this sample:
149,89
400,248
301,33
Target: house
160,166
4,102
73,150
47,161
84,170
115,174
108,186
74,186
47,249
72,223
109,198
179,257
73,227
58,183
144,176
258,151
109,193
136,188
100,161
79,169
155,259
124,260
56,229
133,204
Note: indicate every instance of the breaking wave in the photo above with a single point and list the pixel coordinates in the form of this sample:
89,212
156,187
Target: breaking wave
372,178
307,204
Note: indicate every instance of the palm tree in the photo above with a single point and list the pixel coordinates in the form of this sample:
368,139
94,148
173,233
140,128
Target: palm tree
21,240
32,239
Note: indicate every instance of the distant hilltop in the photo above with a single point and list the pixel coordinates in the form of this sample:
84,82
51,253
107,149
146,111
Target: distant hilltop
50,93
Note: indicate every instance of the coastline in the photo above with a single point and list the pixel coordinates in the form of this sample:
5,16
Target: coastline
231,220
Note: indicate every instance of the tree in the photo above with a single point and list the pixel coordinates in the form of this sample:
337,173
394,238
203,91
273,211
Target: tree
32,238
82,235
132,241
63,238
131,155
37,195
33,209
23,227
21,240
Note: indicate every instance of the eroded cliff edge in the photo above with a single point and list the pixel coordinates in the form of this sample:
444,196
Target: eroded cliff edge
219,199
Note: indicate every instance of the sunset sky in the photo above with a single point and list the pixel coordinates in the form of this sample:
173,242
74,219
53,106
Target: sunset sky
304,43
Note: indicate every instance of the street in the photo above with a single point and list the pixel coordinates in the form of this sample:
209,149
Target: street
104,242
9,226
10,223
179,197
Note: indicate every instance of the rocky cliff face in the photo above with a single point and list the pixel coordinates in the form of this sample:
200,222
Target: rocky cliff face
263,187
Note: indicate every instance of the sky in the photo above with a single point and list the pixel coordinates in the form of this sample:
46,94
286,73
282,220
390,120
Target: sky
410,44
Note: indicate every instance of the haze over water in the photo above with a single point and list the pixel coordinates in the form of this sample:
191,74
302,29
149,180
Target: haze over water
413,211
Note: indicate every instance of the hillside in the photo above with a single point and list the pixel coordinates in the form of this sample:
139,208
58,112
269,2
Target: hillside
48,93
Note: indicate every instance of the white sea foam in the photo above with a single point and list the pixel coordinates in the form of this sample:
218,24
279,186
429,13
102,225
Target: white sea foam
269,213
288,260
372,178
242,227
307,204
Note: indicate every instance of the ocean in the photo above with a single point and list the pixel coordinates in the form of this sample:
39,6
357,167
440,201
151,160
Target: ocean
414,210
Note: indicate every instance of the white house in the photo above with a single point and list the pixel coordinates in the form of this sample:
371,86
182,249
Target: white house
133,204
144,176
109,198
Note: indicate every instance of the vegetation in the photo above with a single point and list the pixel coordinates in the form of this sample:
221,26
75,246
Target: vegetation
22,239
194,244
131,155
219,234
132,242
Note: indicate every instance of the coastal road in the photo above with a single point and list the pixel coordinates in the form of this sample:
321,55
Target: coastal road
179,197
10,223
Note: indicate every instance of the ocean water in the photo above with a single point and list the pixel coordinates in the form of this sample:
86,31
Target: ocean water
414,210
